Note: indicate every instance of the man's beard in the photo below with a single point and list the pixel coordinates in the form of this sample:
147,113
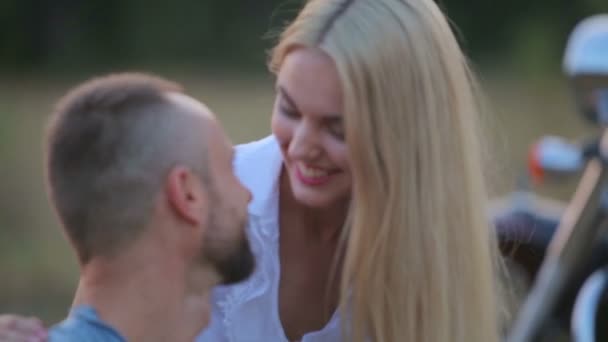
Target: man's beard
233,260
237,265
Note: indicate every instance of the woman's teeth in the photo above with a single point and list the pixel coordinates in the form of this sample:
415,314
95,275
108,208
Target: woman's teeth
311,172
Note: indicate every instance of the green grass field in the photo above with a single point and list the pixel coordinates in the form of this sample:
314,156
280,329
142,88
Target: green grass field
38,272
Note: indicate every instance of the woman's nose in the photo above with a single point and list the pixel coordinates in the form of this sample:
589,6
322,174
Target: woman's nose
305,143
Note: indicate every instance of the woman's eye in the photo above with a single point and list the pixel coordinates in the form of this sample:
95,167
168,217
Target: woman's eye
337,131
290,113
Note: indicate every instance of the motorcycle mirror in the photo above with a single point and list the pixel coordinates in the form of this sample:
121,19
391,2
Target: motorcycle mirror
586,64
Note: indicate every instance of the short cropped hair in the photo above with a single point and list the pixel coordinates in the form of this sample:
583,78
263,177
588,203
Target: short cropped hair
109,146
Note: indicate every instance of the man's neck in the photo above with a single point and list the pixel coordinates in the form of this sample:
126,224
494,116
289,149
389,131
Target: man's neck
145,296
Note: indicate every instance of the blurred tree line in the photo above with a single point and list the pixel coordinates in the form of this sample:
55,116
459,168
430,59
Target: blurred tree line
64,34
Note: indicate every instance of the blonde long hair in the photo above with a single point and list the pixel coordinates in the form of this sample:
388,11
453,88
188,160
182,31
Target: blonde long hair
420,255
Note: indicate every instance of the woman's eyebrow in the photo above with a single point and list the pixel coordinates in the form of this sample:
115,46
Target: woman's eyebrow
329,117
287,98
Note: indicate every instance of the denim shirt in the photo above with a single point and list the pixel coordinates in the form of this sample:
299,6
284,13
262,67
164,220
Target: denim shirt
84,325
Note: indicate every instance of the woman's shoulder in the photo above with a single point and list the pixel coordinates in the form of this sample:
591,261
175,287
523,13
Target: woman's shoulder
257,165
265,147
255,157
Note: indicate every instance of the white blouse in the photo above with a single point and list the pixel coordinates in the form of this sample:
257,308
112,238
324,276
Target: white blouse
249,311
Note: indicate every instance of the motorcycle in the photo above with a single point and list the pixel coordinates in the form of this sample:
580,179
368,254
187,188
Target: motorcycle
564,253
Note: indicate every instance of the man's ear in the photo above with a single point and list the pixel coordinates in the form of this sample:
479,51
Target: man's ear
187,195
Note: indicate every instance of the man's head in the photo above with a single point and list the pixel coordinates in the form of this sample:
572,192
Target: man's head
130,155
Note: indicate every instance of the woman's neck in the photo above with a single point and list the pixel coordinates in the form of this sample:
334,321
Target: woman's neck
324,224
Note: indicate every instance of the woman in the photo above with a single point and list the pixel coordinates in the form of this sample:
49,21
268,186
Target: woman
369,195
368,218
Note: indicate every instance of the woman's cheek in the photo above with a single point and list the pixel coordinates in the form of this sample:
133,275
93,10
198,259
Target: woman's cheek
338,153
277,127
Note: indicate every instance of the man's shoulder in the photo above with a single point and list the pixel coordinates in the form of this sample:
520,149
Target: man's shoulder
83,324
63,332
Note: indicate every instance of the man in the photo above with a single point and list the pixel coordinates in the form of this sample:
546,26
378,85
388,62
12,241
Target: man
141,178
